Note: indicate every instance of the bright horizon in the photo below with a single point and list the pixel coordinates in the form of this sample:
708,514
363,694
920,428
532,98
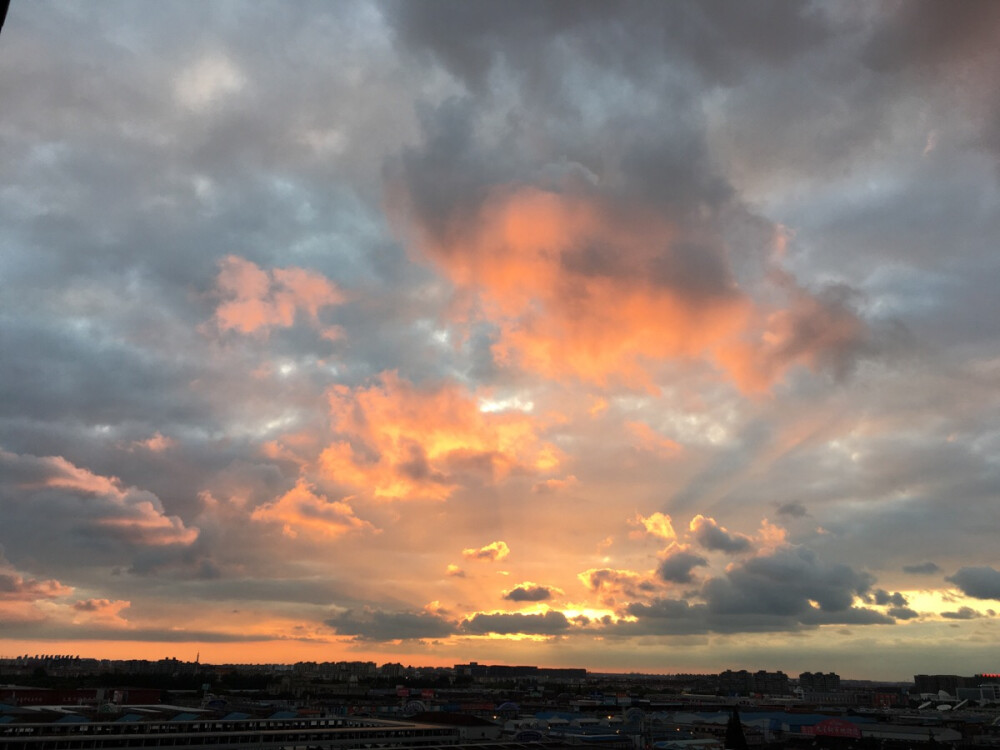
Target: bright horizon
632,337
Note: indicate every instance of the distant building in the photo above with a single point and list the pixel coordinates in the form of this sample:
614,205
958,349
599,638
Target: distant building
771,683
935,683
817,682
743,682
736,683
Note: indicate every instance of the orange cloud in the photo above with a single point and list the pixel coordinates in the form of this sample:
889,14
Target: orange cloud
301,509
405,442
257,300
106,611
493,552
583,286
657,524
770,537
130,513
15,587
650,440
812,332
610,584
548,486
156,443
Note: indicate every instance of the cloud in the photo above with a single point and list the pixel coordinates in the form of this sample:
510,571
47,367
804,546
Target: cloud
785,583
586,282
20,596
101,611
613,584
506,623
902,613
980,582
656,524
493,552
549,486
302,509
80,502
15,587
923,569
156,443
793,509
677,566
650,440
711,536
256,300
400,441
207,81
963,613
883,597
529,592
454,571
379,625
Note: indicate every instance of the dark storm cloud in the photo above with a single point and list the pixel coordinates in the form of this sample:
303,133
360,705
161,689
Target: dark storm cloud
528,593
678,566
922,569
504,623
379,625
980,582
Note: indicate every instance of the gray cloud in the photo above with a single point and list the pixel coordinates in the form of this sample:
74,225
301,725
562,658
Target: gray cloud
139,147
793,509
981,582
380,625
528,593
784,583
962,613
503,623
922,569
711,536
677,567
883,597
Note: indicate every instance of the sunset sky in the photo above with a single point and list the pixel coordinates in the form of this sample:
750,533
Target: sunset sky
630,336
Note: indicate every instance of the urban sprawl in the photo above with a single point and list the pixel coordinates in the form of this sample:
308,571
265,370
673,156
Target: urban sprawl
50,702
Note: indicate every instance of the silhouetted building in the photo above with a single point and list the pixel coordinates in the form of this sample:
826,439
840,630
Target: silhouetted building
736,683
817,682
771,683
935,683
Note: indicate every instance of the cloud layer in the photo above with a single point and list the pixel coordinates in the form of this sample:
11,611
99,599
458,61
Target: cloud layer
518,332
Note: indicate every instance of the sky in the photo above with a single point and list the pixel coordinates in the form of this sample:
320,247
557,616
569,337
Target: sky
654,337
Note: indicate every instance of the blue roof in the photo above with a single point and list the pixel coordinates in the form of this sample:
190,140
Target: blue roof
185,717
128,717
235,716
284,715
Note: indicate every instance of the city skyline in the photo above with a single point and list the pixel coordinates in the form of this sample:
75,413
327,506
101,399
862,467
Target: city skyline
632,337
